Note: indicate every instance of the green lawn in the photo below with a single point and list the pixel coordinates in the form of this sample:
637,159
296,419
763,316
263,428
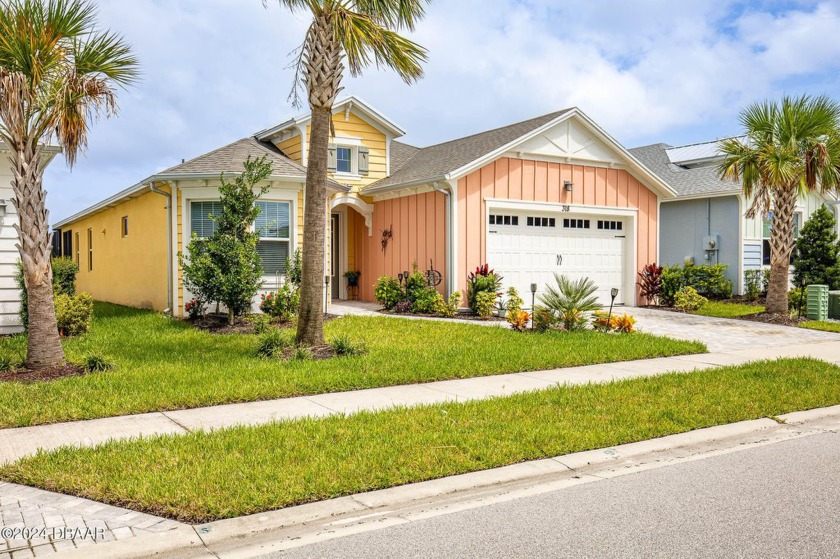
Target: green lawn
721,309
165,364
820,325
205,476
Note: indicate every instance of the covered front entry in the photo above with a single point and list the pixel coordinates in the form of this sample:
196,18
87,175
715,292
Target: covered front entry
530,247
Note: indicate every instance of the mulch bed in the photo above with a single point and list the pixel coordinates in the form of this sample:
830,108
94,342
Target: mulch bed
28,376
458,316
319,353
218,324
768,318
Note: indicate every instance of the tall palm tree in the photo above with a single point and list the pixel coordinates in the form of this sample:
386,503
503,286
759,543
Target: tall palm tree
789,148
359,32
57,73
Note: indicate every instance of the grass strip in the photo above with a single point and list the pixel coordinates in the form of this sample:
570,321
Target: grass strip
205,476
165,364
720,309
821,325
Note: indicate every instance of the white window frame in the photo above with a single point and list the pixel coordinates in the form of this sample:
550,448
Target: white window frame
798,230
277,239
353,145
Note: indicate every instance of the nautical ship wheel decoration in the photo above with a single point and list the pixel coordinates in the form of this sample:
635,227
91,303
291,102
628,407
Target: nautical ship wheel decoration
386,236
433,277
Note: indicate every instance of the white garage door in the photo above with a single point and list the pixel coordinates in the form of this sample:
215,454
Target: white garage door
529,248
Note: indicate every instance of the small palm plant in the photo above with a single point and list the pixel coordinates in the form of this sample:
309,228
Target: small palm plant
571,300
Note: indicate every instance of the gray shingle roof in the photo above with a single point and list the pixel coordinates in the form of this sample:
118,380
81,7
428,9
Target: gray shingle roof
686,182
435,161
400,154
229,159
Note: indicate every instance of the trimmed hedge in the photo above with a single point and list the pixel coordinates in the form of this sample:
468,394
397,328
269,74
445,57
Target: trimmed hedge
709,280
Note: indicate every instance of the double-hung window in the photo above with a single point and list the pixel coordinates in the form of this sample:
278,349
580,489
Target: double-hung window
767,227
273,225
343,159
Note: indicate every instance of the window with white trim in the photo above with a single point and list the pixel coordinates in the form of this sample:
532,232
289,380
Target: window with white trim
273,225
609,225
496,219
571,223
343,159
534,221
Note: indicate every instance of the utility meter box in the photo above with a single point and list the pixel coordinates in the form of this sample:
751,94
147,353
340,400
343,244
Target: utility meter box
816,297
712,242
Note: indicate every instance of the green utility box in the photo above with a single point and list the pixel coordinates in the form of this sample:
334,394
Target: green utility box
816,300
834,304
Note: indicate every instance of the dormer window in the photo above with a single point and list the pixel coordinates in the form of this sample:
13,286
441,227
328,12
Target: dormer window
344,159
350,159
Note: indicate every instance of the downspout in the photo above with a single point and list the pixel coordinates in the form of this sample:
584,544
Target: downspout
168,197
449,279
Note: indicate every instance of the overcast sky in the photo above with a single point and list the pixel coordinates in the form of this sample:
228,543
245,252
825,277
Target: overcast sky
214,71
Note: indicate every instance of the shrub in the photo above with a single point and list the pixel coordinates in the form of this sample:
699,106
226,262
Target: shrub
427,300
796,299
482,280
688,300
195,308
485,303
650,283
301,353
261,323
624,323
448,309
817,255
226,266
9,362
753,284
571,300
283,304
708,280
388,292
73,313
294,269
514,301
403,307
415,284
545,320
519,320
616,323
96,363
344,346
272,343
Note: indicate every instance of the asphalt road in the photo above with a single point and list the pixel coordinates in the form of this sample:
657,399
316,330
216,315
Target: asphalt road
779,501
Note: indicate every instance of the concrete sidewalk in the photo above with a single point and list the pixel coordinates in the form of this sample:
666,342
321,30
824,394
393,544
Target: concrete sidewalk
19,442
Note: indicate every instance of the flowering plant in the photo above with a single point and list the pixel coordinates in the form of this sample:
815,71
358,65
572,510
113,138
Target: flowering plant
195,308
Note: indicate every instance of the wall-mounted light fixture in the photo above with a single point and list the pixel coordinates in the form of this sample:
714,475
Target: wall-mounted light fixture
568,185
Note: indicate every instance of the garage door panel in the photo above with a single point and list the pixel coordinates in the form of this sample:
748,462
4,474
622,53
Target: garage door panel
525,255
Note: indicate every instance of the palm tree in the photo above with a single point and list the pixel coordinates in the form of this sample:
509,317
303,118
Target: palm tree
789,148
358,32
57,73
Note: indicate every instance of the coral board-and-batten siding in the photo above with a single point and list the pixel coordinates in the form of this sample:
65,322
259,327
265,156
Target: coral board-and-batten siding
418,227
538,181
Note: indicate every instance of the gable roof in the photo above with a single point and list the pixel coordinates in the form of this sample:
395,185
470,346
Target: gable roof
401,153
696,181
347,103
230,158
436,161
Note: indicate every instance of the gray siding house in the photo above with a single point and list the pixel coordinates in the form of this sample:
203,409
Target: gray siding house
706,222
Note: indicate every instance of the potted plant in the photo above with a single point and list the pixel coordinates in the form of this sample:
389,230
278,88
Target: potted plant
503,308
352,278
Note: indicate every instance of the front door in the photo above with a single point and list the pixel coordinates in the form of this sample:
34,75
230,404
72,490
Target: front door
335,277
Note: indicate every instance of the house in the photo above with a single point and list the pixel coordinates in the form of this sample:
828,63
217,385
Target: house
551,194
9,257
706,222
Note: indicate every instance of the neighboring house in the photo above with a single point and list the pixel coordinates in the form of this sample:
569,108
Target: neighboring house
9,257
552,194
706,222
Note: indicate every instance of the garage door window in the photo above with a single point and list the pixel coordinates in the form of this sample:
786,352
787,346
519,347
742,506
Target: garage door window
609,225
496,219
576,223
541,222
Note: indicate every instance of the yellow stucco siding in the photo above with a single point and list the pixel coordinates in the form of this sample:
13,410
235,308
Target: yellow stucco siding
292,149
126,269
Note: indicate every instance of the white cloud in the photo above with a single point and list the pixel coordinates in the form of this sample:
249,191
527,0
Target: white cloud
215,71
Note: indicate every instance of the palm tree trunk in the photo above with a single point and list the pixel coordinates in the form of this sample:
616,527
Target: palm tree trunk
35,247
781,246
324,69
310,330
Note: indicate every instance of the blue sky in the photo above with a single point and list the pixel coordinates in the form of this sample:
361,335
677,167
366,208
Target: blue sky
648,71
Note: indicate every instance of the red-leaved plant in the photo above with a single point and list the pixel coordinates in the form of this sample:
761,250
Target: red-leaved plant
650,283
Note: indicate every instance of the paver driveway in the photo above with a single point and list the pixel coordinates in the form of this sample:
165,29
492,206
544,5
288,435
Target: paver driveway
724,334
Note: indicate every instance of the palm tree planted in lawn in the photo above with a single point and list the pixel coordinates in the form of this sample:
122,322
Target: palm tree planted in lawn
358,33
789,148
57,73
